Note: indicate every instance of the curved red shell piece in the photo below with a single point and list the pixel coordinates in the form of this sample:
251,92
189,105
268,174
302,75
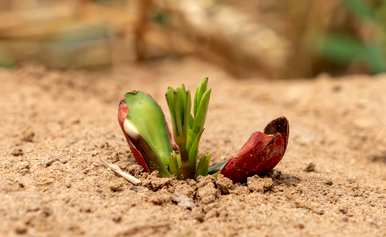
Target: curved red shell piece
261,153
122,114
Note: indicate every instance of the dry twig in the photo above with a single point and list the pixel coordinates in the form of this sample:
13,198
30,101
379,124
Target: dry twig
122,173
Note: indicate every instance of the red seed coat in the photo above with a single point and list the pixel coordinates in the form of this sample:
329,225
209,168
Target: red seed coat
260,154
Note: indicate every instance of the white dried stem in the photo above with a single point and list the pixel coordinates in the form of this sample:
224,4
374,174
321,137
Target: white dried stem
122,173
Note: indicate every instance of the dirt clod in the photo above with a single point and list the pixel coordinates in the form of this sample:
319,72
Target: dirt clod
257,184
154,182
160,198
206,192
21,230
28,136
224,184
117,187
183,201
17,152
310,167
329,182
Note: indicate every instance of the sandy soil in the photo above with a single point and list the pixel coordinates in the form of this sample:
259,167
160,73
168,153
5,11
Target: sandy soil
55,127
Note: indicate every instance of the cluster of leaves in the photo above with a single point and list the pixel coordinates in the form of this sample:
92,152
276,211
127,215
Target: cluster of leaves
144,126
188,126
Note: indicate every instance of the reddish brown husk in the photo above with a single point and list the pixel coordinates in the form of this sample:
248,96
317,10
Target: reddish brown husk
122,114
261,153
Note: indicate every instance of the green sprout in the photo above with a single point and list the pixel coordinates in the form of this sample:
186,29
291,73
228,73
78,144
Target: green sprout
144,125
188,126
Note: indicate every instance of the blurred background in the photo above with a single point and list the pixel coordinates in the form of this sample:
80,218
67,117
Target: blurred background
261,38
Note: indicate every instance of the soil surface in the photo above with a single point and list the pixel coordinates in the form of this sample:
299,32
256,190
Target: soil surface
57,126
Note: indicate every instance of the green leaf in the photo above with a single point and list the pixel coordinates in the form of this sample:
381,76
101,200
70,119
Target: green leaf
193,149
361,9
187,115
216,167
199,120
376,59
198,94
342,48
203,164
175,164
178,108
146,126
171,102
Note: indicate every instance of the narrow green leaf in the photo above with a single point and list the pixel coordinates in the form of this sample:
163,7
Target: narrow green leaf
203,165
178,107
199,120
189,138
193,149
342,49
201,89
216,167
174,165
171,102
187,114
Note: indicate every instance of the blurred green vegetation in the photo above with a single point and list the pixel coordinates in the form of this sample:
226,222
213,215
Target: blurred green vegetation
269,38
347,49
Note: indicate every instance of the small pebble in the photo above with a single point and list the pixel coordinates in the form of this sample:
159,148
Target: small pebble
224,184
17,152
21,230
257,184
28,136
183,201
329,183
117,219
310,167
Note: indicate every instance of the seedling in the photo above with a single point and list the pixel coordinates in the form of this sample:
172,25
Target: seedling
144,126
188,126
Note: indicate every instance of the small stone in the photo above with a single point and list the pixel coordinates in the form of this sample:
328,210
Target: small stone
117,219
343,210
135,169
224,184
117,187
49,162
21,230
28,136
160,198
329,182
257,184
24,168
154,183
300,226
198,214
336,88
184,188
17,152
206,191
183,201
310,167
276,174
319,212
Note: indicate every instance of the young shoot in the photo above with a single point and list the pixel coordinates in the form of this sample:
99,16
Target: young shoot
188,121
